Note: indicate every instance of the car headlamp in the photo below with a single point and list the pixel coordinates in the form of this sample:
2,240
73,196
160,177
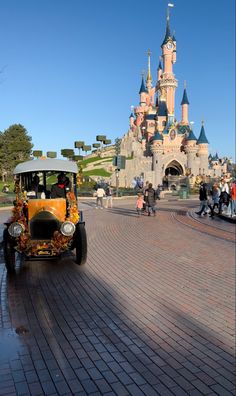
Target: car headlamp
67,228
16,229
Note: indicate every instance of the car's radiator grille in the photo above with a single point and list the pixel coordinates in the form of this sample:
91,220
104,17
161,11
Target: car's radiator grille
43,225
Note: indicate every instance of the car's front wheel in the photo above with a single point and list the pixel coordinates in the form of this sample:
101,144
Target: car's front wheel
80,244
9,252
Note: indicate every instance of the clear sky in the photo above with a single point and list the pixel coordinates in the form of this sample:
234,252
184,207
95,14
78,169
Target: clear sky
71,69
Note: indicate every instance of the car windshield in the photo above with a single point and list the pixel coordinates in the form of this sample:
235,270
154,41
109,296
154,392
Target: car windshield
46,178
46,184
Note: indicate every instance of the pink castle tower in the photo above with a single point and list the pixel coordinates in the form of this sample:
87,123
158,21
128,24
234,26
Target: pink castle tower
160,146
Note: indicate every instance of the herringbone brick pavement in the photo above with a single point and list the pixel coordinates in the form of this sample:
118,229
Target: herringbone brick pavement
151,313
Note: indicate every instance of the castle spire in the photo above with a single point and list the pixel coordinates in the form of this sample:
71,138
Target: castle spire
142,87
185,98
184,105
202,137
168,33
143,92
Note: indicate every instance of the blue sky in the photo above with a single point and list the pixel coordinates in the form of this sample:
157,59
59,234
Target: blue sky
71,69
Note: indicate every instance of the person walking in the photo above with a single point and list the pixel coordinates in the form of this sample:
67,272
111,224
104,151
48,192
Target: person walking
158,192
215,199
109,192
233,198
145,193
100,194
224,197
225,187
139,204
203,199
151,200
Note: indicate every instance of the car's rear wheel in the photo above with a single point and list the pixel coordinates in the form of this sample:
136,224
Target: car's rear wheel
9,252
80,240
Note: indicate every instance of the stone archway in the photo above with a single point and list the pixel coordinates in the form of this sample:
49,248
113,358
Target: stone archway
174,169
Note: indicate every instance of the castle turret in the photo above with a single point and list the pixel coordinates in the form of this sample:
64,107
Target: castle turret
131,120
162,114
191,151
184,104
143,93
168,84
202,143
157,149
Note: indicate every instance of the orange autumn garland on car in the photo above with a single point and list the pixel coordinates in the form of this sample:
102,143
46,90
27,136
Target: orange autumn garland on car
58,243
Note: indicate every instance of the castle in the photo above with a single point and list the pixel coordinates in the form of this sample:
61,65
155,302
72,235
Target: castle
157,146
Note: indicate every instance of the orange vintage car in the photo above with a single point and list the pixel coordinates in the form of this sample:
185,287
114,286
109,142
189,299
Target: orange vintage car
45,219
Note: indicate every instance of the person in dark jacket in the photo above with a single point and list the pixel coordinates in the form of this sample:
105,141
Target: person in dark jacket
58,190
224,200
203,199
151,200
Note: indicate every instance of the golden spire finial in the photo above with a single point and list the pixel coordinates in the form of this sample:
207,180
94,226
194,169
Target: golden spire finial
184,84
149,77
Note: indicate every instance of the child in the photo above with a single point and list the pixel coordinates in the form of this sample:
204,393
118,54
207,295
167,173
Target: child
139,204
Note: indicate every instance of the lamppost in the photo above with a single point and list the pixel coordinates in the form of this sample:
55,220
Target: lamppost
117,181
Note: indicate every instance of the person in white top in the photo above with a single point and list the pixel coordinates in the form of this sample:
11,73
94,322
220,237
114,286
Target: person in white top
100,195
225,187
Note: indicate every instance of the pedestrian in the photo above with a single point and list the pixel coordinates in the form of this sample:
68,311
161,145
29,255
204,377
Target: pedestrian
151,200
224,200
5,189
225,186
158,192
215,199
100,194
145,193
109,192
233,198
139,204
203,199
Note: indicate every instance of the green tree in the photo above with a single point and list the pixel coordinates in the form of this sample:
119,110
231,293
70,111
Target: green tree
15,147
51,154
67,153
86,148
37,153
79,145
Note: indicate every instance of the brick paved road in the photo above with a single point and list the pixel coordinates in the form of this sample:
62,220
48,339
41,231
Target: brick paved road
151,313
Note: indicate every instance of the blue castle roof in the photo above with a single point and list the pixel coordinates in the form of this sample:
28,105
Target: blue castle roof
162,109
202,137
151,117
191,136
185,98
157,136
168,34
142,88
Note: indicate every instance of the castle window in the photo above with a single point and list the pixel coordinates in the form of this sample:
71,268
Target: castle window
163,123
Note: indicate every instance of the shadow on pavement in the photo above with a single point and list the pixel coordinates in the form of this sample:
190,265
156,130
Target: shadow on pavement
90,338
